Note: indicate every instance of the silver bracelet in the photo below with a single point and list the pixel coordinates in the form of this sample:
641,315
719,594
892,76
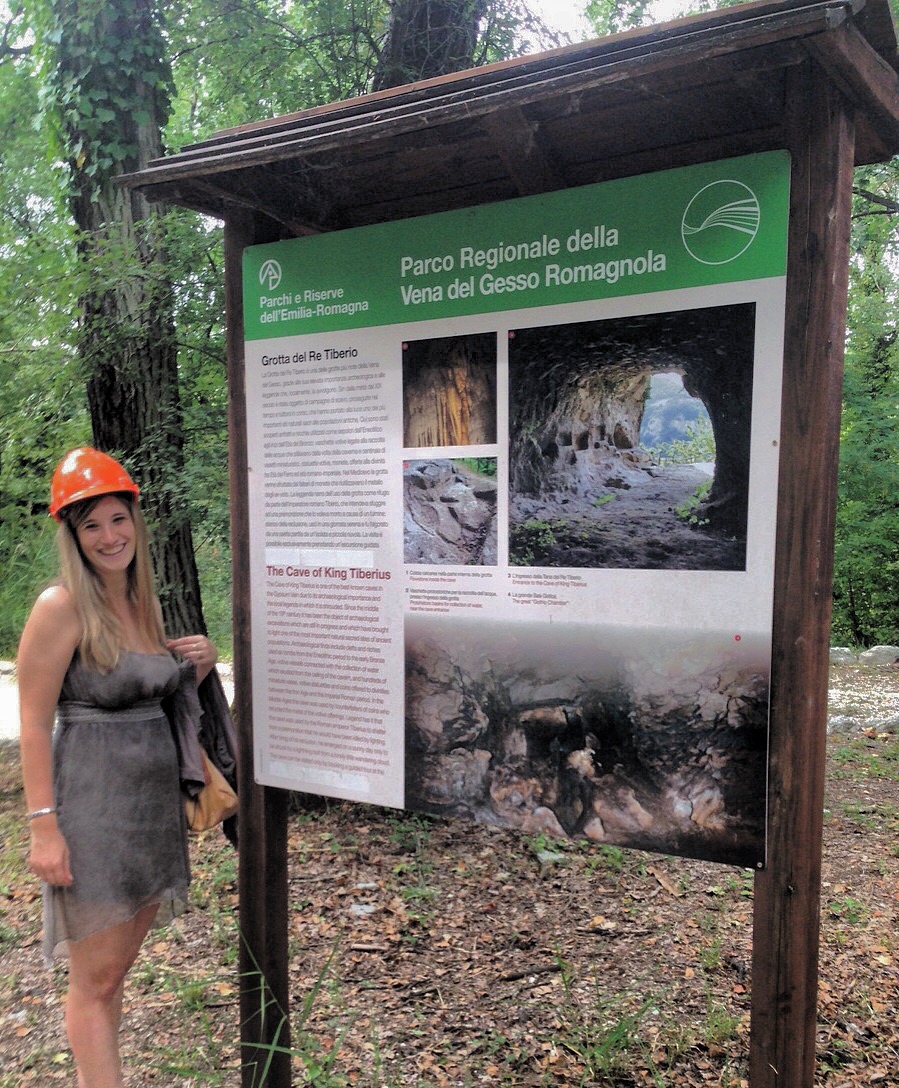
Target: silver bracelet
40,812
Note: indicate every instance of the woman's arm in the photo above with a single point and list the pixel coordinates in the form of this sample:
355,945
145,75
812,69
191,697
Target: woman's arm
49,640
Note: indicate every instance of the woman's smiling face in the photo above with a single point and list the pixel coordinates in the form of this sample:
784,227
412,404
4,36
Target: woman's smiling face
106,536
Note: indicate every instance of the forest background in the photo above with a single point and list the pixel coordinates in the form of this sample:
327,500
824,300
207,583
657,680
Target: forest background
112,309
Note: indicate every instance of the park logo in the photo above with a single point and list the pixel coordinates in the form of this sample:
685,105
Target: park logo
270,274
720,222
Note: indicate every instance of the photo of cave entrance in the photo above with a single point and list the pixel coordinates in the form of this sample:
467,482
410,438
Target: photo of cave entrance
589,484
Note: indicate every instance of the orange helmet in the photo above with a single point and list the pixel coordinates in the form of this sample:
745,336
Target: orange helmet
85,473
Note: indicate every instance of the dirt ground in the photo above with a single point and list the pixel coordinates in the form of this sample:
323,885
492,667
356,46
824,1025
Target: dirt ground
427,954
639,527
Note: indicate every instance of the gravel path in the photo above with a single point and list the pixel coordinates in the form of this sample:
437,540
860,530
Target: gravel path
9,703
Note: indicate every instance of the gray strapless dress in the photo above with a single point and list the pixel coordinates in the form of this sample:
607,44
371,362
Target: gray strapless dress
118,798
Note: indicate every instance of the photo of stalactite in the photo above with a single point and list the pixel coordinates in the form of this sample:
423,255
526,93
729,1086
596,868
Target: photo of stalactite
449,391
449,511
652,739
586,487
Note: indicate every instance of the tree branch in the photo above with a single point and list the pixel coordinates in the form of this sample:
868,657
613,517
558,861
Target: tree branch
9,51
891,206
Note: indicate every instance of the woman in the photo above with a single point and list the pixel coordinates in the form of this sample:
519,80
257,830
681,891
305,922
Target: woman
108,836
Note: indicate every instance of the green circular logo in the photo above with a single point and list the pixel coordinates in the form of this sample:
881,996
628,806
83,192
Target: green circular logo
720,222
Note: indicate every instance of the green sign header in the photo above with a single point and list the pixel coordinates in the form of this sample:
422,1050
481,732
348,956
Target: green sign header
718,222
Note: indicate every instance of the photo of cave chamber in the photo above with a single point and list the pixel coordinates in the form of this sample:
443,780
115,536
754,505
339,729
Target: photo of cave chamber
449,391
584,491
449,511
653,739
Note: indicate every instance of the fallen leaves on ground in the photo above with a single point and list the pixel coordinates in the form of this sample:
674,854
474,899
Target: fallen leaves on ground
431,954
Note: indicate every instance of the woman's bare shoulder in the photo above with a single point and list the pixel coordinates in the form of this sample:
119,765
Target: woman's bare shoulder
54,612
49,639
56,602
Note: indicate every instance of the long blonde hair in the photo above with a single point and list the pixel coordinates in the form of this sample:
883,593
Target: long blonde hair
102,639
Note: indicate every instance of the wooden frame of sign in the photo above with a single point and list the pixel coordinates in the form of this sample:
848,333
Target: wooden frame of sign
818,79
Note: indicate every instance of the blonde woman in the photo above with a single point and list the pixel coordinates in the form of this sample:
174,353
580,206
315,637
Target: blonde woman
108,836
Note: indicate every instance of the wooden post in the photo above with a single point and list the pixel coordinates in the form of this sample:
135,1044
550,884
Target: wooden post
787,894
262,821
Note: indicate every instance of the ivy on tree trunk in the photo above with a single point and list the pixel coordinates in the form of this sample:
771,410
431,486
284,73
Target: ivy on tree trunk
110,80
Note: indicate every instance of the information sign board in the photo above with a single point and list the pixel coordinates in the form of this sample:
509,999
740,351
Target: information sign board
512,481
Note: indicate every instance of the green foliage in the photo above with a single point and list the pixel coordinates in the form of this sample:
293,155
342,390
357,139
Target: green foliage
530,542
218,63
105,76
195,264
483,466
42,401
866,587
235,63
28,556
847,909
316,1057
697,445
860,759
612,16
509,28
690,510
604,1034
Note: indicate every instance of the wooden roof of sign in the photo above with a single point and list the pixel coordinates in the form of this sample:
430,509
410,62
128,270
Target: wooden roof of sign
696,89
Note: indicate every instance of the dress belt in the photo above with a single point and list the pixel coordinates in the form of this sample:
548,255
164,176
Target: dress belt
72,711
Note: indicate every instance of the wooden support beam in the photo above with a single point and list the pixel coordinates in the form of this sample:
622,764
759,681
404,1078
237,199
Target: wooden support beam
862,75
231,198
262,821
787,893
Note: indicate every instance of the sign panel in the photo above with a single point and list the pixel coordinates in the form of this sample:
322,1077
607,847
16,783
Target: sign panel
512,482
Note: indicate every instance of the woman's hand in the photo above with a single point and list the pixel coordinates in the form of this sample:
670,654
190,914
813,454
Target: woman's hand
49,857
198,650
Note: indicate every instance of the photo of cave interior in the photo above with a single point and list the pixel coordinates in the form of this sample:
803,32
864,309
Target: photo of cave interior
449,391
654,739
585,490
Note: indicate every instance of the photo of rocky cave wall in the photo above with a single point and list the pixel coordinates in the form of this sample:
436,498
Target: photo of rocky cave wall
449,511
449,391
653,739
584,491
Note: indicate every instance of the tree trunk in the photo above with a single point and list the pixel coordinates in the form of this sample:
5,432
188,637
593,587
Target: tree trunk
428,38
111,81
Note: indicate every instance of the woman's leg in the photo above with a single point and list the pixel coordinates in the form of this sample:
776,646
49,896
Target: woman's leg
97,968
